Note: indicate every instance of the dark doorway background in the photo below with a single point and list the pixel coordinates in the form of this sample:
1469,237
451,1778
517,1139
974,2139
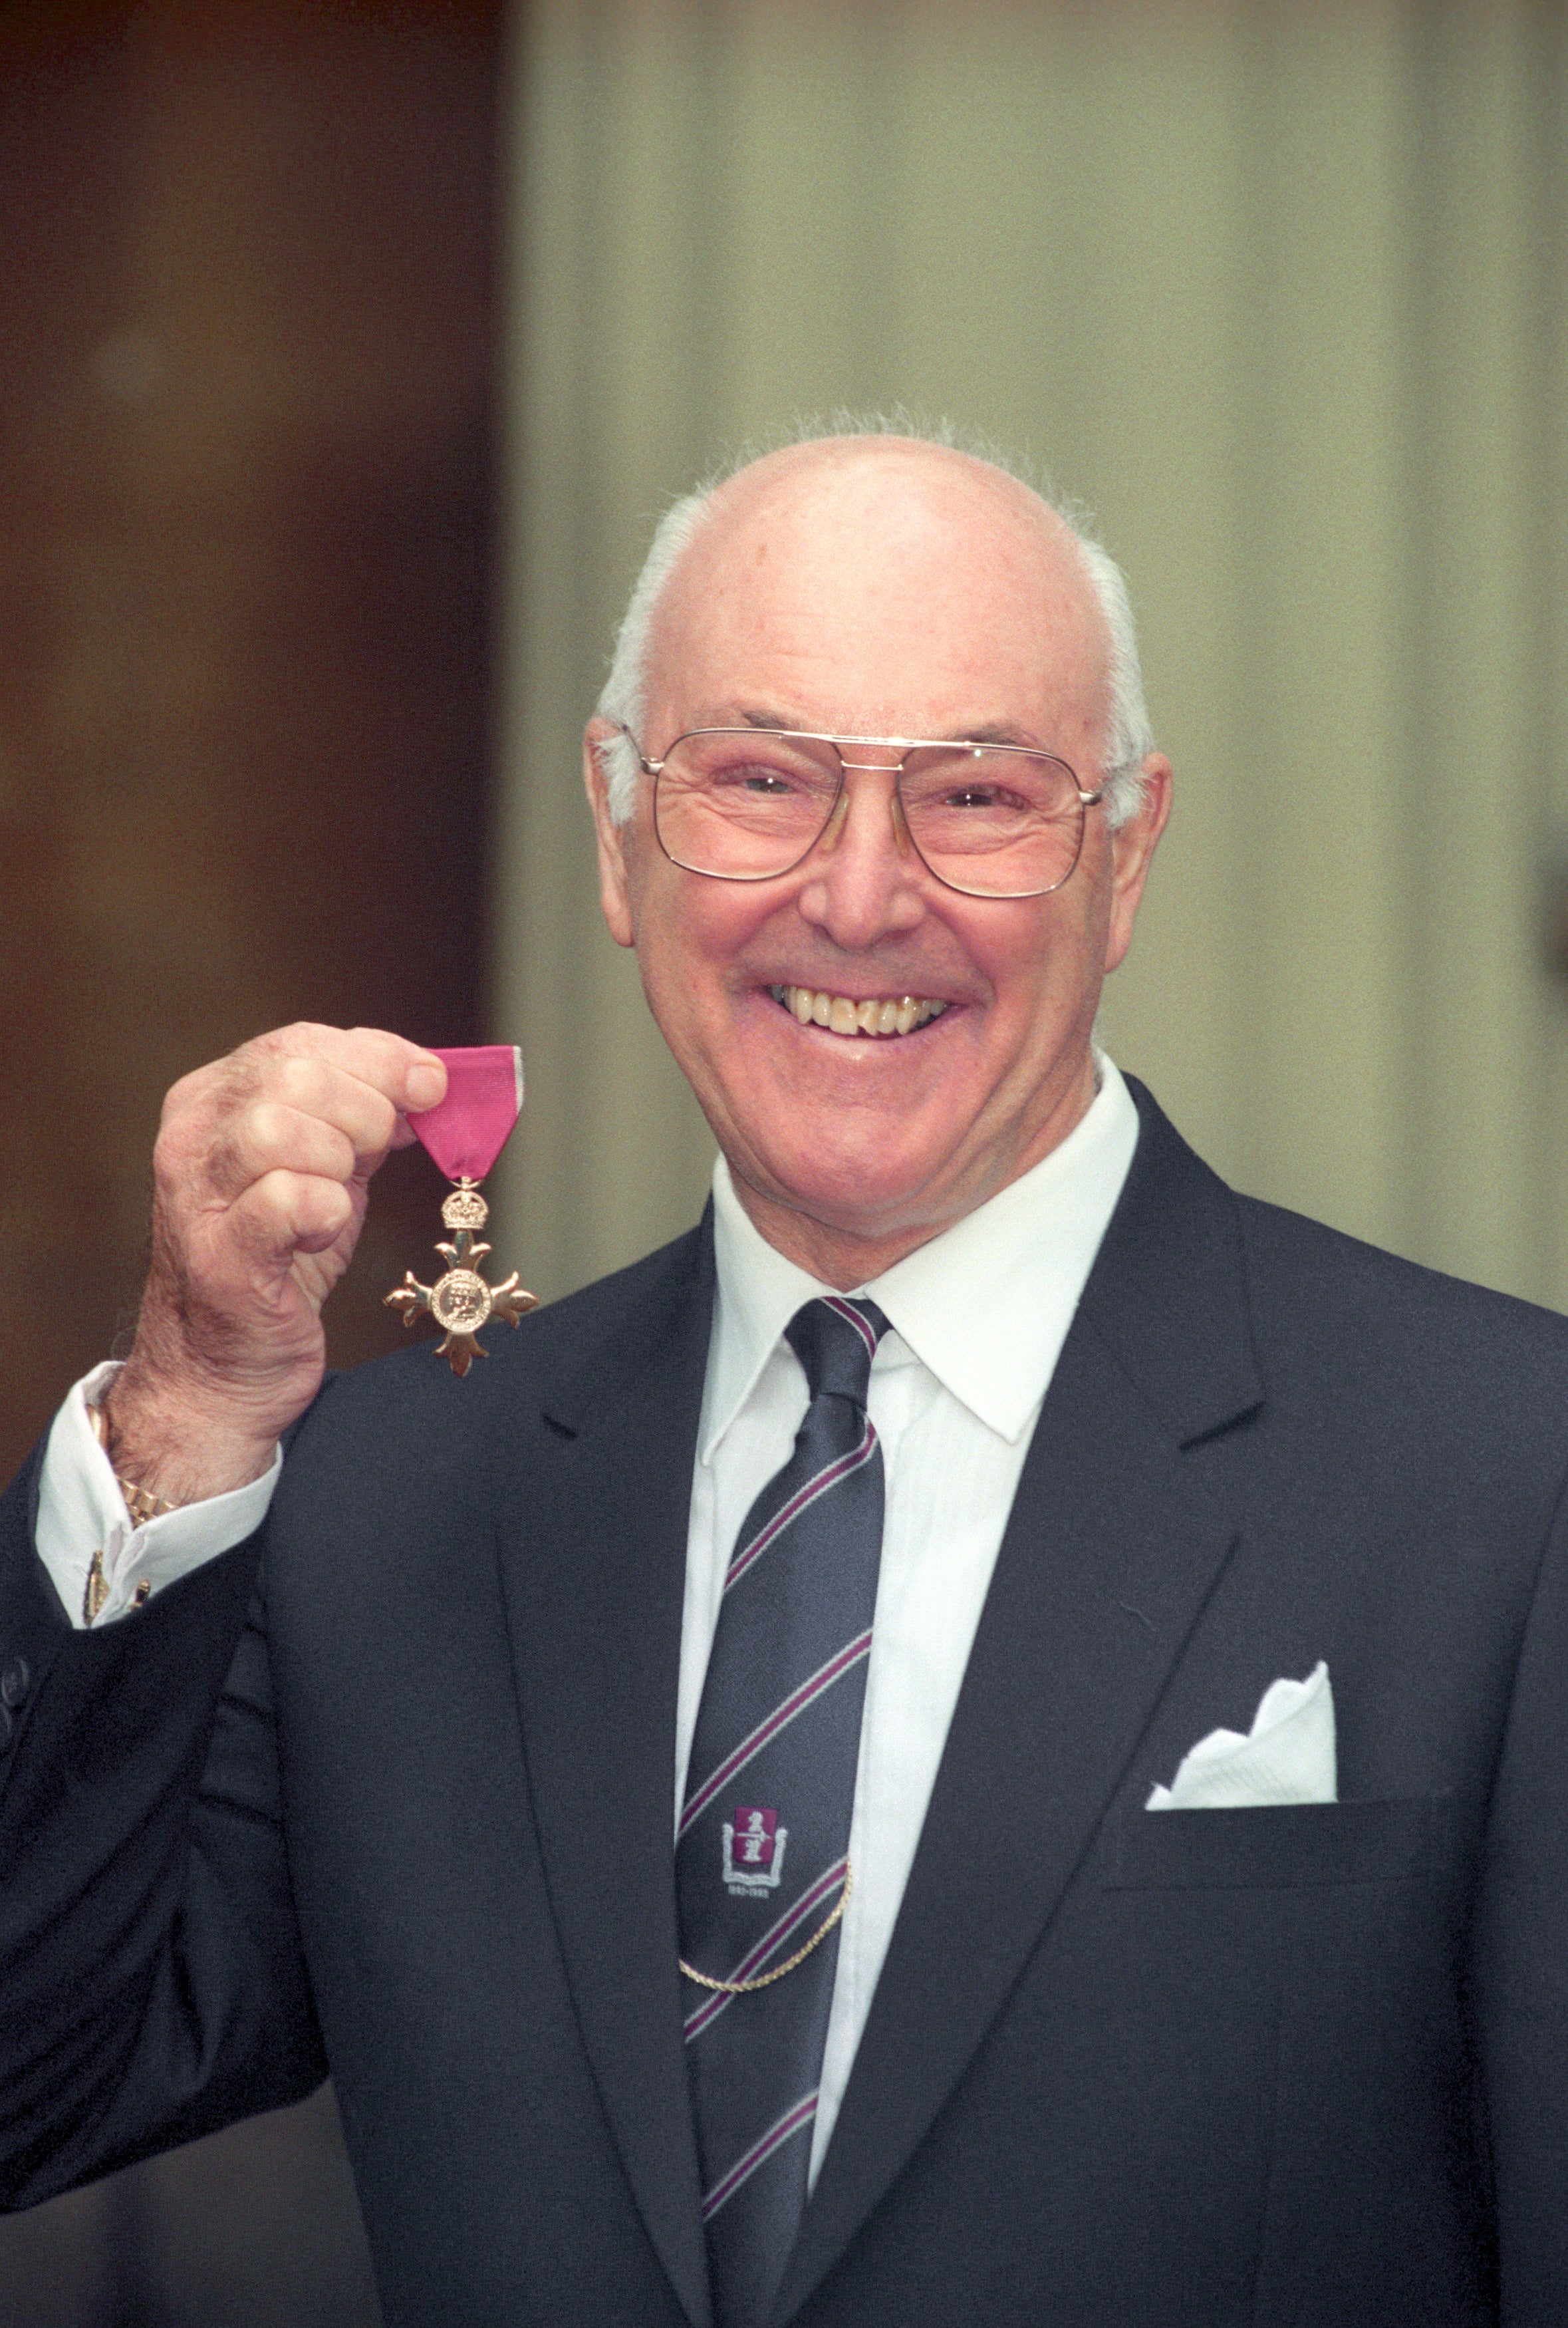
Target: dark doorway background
246,331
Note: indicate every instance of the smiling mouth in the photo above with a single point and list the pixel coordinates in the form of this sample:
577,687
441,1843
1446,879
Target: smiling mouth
898,1014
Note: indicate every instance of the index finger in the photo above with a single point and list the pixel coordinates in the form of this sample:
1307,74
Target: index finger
361,1080
411,1076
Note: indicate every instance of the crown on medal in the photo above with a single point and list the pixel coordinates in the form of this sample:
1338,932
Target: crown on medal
466,1209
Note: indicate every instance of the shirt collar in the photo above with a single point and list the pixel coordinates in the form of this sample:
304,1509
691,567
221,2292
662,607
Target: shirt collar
985,1306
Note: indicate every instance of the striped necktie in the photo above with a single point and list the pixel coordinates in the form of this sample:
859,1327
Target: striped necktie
762,1852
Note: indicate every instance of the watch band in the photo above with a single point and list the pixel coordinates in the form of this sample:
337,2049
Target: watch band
142,1504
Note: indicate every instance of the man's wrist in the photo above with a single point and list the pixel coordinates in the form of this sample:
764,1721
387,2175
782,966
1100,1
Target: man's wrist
167,1449
141,1502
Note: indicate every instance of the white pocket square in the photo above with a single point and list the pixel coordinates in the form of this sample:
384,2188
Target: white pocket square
1288,1756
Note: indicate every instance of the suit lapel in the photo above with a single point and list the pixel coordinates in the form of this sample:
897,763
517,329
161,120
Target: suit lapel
1126,1515
593,1572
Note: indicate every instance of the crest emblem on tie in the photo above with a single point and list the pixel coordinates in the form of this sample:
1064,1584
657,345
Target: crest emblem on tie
754,1849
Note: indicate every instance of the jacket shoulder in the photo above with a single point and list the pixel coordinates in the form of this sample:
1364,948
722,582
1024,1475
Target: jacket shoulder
1296,1263
1199,1281
1406,1369
1300,1270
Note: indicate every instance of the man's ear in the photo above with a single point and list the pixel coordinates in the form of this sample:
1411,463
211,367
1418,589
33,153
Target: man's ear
614,889
1132,847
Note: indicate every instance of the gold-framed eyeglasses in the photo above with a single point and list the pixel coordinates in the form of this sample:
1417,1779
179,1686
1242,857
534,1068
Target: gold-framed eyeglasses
751,803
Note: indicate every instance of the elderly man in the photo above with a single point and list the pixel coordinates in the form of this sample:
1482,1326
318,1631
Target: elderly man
896,1538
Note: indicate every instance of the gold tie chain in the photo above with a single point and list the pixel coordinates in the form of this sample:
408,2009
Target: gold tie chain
766,1979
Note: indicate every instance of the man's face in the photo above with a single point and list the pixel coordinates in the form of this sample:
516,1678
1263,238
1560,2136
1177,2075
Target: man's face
879,588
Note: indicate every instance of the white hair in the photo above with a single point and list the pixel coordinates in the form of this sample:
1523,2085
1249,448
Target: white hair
1129,738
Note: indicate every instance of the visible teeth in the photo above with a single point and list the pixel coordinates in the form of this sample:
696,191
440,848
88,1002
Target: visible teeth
843,1016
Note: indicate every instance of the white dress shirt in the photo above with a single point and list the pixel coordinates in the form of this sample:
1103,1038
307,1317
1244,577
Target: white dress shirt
978,1317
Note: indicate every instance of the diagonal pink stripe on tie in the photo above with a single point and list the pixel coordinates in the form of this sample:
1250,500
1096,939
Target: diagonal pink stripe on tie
828,1477
779,1718
770,1942
852,1317
798,2115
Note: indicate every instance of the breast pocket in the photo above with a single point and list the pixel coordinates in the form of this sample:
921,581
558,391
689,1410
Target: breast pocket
1281,1846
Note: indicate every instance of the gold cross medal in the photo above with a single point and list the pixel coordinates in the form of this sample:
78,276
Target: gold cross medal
465,1135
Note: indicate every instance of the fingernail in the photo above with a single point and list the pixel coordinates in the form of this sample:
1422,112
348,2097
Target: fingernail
425,1087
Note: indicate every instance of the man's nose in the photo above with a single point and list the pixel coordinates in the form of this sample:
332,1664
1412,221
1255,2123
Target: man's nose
863,879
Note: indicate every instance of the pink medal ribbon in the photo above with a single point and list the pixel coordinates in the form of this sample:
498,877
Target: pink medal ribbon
473,1124
465,1135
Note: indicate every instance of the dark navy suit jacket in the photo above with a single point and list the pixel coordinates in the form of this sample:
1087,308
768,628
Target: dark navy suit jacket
412,1823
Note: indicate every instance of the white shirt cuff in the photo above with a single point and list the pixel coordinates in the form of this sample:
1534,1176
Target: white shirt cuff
81,1511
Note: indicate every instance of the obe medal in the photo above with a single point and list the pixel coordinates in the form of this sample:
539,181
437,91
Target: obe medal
465,1135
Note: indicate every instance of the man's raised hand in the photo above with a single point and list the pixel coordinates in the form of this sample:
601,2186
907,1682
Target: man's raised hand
260,1175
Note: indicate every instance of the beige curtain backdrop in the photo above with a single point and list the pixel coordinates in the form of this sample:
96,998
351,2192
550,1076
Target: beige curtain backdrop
1278,292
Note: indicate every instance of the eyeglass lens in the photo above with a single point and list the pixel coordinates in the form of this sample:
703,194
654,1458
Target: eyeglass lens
747,805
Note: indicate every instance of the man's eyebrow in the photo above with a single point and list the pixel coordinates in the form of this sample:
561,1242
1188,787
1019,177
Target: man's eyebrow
1003,733
1000,733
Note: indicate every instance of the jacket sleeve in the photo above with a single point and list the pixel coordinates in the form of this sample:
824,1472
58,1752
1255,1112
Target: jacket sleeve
1520,1969
152,1986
